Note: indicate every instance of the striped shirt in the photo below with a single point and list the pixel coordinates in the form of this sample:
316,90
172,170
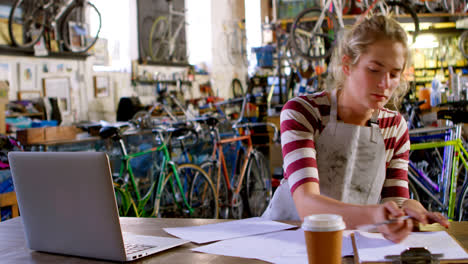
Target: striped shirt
304,118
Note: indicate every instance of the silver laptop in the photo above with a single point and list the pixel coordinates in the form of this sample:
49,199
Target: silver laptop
68,206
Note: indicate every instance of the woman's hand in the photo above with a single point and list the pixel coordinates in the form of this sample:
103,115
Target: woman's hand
415,209
397,231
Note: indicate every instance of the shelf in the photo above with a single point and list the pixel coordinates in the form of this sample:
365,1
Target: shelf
438,68
24,114
15,51
160,63
432,18
172,82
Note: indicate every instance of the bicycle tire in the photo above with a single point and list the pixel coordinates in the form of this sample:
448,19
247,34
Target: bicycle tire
29,36
258,184
462,204
237,89
68,41
347,6
434,6
462,46
411,12
171,204
330,37
203,196
211,168
461,6
413,191
160,25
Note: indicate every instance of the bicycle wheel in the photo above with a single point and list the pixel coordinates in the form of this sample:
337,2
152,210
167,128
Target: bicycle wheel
413,191
26,23
407,10
197,189
435,6
237,89
76,30
258,184
202,196
211,168
456,6
462,204
158,45
314,45
463,44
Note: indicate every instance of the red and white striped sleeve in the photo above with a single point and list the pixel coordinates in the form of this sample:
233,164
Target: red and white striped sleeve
397,145
301,122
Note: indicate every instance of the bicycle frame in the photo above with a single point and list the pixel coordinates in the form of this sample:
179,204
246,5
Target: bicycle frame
218,152
142,201
173,37
62,9
459,153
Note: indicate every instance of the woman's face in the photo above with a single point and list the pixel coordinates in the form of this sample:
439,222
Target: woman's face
372,80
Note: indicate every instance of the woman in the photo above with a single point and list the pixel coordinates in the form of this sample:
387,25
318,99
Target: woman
343,150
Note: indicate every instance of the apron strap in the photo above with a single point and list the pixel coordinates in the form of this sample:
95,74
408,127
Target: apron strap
374,123
334,106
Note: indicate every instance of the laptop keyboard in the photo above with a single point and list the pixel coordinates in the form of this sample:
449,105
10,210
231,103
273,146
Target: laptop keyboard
134,248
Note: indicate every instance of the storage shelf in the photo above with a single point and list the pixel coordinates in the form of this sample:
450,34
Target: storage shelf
160,63
173,82
15,51
432,18
25,114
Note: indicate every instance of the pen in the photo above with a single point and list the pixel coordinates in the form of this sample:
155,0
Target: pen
370,227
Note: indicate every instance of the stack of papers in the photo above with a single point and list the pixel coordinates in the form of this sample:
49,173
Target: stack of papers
268,240
373,247
227,230
239,237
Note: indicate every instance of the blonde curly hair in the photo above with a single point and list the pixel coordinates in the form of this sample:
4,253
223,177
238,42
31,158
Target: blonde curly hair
354,41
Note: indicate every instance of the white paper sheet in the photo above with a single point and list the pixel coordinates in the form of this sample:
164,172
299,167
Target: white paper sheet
227,230
374,247
277,247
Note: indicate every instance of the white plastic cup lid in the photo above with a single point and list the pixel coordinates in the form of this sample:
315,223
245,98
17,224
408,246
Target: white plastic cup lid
323,222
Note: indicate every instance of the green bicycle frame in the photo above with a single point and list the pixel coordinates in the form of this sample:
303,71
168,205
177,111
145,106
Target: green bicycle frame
460,153
125,166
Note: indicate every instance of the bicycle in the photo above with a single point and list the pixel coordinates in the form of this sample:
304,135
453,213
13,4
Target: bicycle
183,190
68,22
233,191
164,43
314,31
444,193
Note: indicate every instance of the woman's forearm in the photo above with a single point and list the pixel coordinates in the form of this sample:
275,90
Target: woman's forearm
308,201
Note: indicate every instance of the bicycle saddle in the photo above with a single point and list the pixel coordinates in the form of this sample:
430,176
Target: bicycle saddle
181,132
456,116
108,132
209,120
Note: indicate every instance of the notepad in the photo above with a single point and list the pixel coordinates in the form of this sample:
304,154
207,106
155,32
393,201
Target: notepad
373,247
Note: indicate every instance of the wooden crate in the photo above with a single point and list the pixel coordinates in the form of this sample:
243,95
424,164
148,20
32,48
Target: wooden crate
46,134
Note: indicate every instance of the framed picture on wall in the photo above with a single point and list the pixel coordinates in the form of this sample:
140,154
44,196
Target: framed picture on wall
58,87
101,86
27,76
29,95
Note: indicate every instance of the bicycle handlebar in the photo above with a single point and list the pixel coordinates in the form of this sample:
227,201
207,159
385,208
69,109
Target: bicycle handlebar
276,137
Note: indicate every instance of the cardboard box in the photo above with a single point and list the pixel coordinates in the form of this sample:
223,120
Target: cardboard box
40,135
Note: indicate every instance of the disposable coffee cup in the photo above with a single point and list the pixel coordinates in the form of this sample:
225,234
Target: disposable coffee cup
323,235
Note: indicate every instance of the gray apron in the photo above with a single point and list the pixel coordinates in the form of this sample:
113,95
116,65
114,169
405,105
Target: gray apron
351,166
